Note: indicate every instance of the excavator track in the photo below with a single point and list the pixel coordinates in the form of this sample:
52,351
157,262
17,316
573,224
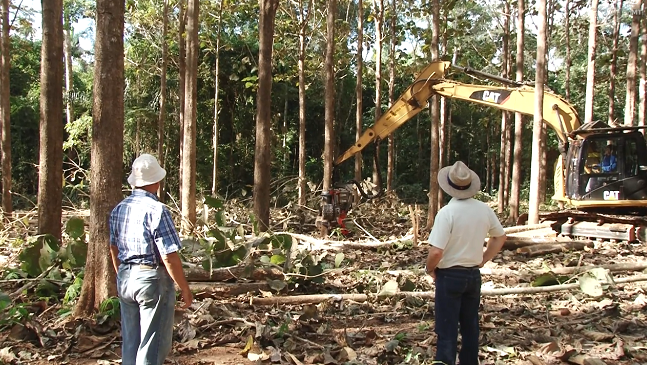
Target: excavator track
598,226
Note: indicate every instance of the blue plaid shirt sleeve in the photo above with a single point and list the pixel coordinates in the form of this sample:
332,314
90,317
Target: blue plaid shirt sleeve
166,238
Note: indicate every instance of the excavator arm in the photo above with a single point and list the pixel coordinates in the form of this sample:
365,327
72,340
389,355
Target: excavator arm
557,113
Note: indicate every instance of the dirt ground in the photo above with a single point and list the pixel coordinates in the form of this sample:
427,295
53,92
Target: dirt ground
392,327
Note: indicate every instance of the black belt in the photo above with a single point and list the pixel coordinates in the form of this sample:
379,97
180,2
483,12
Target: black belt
461,268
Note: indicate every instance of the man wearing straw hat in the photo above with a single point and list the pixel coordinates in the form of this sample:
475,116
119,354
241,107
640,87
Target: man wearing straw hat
144,246
454,259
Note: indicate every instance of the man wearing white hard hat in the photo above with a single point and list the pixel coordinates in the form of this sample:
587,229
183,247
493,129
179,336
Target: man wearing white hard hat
454,259
144,246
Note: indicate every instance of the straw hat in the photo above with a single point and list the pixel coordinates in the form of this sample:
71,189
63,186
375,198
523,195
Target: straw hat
146,171
459,181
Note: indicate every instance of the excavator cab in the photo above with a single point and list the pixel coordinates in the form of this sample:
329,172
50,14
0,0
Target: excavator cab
607,167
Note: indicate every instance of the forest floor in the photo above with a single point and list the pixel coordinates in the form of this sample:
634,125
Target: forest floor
387,326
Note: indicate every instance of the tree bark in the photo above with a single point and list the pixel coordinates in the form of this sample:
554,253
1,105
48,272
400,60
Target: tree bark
181,86
5,112
359,111
569,60
590,73
642,90
434,109
106,153
216,108
329,103
162,113
613,67
304,17
262,156
391,147
379,25
505,125
67,52
190,117
515,188
50,172
630,100
533,205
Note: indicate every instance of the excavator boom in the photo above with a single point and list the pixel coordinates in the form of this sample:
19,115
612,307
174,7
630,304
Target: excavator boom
557,113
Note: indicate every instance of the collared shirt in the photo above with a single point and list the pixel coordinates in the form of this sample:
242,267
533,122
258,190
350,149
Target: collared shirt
460,229
142,229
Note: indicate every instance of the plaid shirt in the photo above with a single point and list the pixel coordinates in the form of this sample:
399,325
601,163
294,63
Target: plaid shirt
142,229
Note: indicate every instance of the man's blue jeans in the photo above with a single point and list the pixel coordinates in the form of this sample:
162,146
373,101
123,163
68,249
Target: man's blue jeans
458,295
147,300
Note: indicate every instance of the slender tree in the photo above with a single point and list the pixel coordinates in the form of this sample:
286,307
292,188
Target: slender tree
359,112
329,102
505,126
590,74
5,111
161,117
540,77
391,147
518,118
262,156
642,90
67,52
613,68
569,59
434,108
304,16
379,25
106,152
181,83
216,108
190,117
50,172
630,100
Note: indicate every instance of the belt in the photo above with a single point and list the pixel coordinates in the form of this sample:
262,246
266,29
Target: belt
143,266
460,268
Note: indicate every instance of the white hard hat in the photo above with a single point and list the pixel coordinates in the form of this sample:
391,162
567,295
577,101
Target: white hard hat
146,171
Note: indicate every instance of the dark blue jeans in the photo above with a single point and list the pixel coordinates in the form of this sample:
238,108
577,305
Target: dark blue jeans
458,295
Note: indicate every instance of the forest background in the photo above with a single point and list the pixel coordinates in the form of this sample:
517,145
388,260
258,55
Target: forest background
335,67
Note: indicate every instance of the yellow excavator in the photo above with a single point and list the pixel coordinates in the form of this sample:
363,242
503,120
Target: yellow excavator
601,171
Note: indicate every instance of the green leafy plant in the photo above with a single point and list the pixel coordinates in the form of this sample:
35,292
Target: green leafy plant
108,309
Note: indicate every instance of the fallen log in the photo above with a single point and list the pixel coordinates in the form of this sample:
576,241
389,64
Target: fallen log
528,227
326,244
226,289
543,249
232,273
513,243
318,298
535,233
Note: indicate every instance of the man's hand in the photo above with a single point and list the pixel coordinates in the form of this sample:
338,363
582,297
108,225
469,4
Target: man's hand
187,298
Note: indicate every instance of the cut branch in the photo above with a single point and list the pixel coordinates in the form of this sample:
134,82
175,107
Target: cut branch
231,273
543,249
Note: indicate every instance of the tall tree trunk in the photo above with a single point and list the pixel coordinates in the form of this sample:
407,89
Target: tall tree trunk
50,172
642,107
181,85
329,103
106,153
216,108
379,25
304,16
359,111
590,74
518,120
504,115
630,100
262,158
617,16
190,117
569,60
162,113
5,111
533,205
391,148
434,108
67,52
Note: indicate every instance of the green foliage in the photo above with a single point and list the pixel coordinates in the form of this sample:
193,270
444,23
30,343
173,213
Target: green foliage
73,291
108,309
39,255
221,247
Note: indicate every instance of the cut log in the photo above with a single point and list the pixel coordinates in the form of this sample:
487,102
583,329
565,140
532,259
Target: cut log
536,233
543,249
326,244
513,243
203,290
232,273
318,298
529,227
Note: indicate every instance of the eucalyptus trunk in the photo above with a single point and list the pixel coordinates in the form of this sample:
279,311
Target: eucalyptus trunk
540,77
569,59
505,140
359,112
515,187
262,154
630,100
161,118
190,118
379,24
642,90
613,67
216,107
50,169
329,97
181,86
67,52
107,149
5,111
304,17
391,147
434,108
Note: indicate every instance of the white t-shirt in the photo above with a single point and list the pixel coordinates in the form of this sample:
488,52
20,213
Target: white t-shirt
460,228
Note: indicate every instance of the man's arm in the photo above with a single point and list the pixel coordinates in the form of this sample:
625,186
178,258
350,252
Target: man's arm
433,258
174,267
494,245
114,253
